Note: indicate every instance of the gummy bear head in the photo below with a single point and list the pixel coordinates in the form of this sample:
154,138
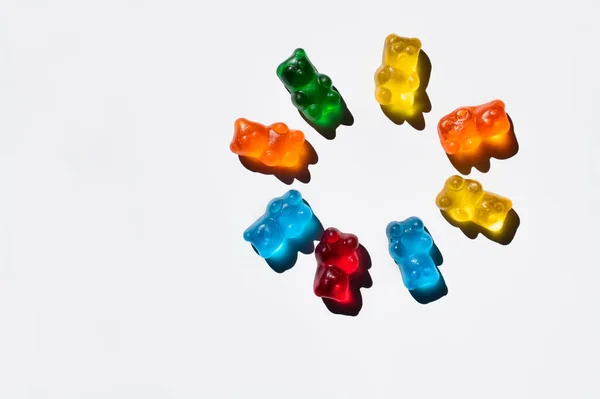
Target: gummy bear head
250,139
341,242
408,236
334,241
340,249
401,52
291,213
458,131
458,196
296,71
265,235
492,119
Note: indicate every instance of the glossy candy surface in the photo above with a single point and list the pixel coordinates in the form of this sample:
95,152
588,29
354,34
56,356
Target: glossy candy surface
312,93
466,128
410,246
333,283
464,200
274,145
337,258
286,217
339,249
396,80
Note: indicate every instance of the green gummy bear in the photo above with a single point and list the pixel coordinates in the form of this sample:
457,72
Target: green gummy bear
312,93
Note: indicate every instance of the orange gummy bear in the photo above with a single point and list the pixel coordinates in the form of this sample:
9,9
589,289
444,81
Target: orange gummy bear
274,145
466,128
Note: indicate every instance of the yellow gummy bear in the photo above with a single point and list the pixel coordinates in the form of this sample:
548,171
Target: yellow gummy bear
465,200
396,80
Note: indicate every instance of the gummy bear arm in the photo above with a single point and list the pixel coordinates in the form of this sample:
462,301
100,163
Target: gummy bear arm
426,242
325,81
299,99
383,75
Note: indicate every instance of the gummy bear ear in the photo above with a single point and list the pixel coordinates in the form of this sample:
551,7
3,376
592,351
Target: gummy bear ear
394,230
248,235
416,223
274,206
462,114
415,42
391,38
280,128
443,202
331,235
281,69
445,125
351,241
498,104
455,182
240,125
293,197
299,53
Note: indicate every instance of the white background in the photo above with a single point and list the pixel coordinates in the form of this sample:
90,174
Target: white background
123,272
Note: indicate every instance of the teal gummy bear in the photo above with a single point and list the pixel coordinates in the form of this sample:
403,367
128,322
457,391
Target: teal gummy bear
312,93
410,246
286,217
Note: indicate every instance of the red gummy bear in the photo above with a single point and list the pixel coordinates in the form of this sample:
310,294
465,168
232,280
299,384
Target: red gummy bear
337,258
332,283
339,249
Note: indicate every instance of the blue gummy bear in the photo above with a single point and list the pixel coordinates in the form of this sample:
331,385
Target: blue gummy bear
410,246
286,217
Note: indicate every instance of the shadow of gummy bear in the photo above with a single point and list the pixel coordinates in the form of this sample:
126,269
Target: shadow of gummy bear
422,104
481,159
503,237
285,175
361,278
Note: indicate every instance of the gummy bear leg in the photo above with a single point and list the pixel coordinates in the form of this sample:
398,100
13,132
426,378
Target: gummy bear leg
406,101
289,159
314,112
383,95
333,98
270,158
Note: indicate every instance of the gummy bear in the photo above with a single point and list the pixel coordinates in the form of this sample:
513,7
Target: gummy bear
464,200
466,128
337,259
410,246
312,93
396,80
274,145
340,249
286,217
333,283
